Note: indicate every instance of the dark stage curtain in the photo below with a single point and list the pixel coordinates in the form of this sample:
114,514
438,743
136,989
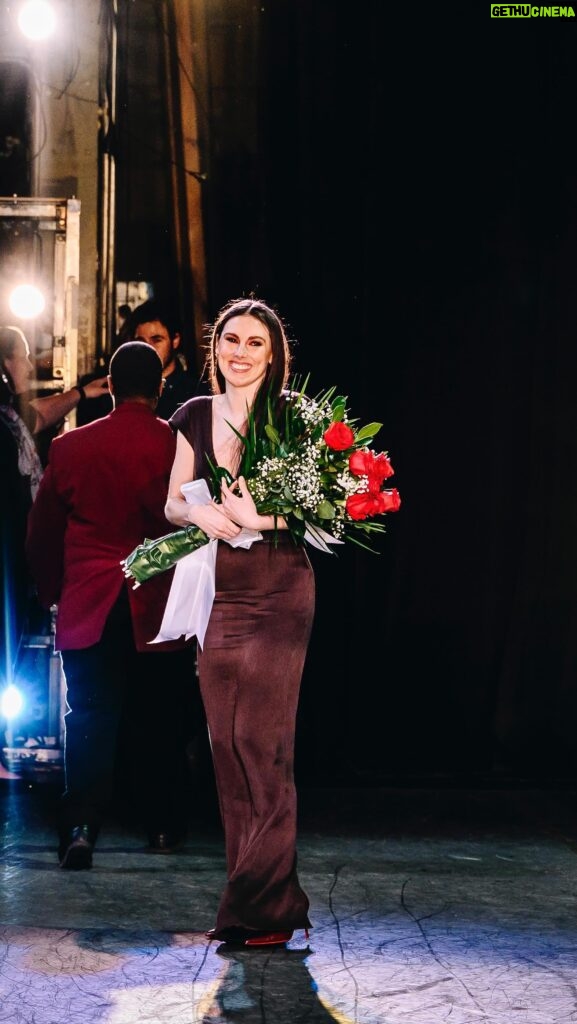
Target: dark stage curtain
404,188
421,237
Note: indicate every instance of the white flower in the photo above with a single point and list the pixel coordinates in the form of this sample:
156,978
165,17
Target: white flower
310,411
350,483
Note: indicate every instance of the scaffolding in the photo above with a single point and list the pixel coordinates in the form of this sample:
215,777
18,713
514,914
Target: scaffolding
40,245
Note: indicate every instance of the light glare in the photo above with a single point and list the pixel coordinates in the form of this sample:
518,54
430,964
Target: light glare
11,702
37,19
26,301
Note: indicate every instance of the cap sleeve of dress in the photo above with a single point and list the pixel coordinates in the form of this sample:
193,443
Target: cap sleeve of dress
194,421
185,418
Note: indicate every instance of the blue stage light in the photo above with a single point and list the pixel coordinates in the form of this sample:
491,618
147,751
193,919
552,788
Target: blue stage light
11,702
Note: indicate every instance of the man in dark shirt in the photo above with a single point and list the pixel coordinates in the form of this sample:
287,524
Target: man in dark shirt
153,323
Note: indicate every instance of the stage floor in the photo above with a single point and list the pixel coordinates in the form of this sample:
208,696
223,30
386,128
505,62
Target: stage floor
429,905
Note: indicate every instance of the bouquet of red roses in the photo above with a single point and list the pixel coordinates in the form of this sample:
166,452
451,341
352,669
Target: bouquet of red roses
313,466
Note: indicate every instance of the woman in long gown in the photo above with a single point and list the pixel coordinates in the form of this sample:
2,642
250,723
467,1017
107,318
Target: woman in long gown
252,658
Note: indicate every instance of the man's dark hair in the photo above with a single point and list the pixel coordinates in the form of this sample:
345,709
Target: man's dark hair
136,371
148,311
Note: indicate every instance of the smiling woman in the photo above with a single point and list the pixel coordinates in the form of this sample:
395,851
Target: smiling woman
300,469
253,652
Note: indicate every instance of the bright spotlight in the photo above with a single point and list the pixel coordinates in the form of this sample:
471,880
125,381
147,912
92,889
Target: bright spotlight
37,19
11,702
26,301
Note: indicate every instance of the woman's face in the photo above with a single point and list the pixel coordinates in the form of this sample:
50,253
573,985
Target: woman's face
244,351
18,366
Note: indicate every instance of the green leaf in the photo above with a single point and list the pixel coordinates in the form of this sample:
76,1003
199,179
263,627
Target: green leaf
218,473
325,510
339,407
370,430
272,433
359,543
297,528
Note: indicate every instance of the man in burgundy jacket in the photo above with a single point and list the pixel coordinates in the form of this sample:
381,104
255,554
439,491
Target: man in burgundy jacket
103,492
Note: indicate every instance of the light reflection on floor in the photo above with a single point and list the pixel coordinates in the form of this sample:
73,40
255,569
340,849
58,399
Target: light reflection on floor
413,925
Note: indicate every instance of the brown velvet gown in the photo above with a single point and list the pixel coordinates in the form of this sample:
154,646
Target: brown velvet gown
250,672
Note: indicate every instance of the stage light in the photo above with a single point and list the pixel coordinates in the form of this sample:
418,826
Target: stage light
26,301
11,702
37,20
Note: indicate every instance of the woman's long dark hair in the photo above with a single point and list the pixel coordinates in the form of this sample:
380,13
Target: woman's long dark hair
278,370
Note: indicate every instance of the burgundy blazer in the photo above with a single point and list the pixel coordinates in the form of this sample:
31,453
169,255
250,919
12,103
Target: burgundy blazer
102,492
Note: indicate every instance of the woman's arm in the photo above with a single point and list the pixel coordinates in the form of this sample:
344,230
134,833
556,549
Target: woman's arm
52,409
209,517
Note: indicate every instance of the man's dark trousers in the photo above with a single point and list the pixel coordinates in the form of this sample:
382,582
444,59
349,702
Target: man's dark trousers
131,716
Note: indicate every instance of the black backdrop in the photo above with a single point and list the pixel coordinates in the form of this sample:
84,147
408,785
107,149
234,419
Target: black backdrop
405,192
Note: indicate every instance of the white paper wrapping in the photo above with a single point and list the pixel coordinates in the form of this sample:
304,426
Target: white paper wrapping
320,539
192,590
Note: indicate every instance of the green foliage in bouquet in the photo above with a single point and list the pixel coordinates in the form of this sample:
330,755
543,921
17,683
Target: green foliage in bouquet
298,466
311,465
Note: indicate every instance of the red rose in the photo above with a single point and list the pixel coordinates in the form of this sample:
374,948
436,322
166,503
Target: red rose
359,462
362,506
367,504
381,468
376,467
391,500
339,437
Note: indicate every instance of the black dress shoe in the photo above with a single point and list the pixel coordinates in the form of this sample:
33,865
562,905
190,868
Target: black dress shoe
164,842
75,850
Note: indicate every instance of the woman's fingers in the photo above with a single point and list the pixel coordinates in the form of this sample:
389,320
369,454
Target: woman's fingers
225,528
216,524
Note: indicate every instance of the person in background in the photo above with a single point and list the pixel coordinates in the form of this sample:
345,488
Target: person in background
253,653
103,490
50,411
21,424
154,323
14,165
122,313
47,412
20,474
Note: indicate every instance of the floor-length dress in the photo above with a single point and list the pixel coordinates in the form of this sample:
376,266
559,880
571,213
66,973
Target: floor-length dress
250,670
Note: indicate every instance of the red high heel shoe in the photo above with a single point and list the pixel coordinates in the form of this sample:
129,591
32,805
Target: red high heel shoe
268,939
242,937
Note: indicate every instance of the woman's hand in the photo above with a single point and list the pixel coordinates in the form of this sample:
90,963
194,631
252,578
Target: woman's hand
212,519
240,508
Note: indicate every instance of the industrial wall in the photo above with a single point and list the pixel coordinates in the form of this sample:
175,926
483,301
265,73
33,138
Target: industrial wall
50,122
